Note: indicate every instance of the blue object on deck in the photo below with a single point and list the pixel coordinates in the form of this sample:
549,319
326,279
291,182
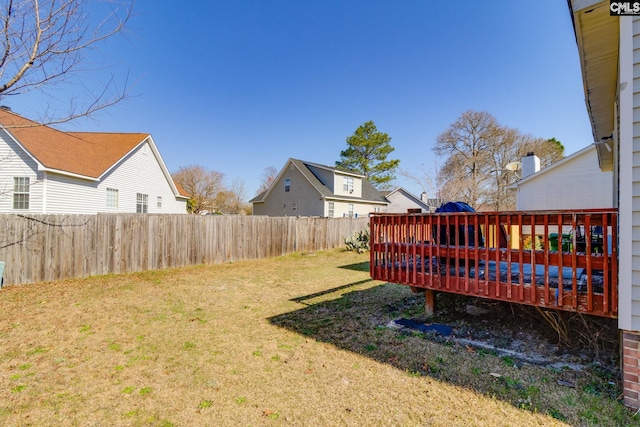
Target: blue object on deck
448,237
454,207
434,327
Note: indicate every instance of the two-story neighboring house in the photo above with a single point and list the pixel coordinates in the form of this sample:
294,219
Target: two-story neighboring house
47,171
309,189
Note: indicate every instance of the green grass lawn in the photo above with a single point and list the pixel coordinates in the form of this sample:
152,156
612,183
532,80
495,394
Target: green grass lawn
298,340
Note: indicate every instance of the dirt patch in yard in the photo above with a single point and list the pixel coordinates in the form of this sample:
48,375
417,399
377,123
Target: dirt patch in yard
531,335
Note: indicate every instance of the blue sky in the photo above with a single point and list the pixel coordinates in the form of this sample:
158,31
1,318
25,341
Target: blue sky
238,85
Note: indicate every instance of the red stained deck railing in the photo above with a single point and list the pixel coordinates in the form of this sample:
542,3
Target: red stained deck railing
565,260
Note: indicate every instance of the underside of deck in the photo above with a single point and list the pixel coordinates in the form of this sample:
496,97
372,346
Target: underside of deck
562,260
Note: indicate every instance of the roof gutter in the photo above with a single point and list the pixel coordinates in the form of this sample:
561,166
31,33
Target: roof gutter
42,168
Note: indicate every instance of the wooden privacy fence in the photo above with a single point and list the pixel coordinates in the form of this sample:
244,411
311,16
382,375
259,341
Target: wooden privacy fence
37,248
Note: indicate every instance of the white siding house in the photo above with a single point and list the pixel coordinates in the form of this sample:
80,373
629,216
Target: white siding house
309,189
46,171
629,170
584,184
609,49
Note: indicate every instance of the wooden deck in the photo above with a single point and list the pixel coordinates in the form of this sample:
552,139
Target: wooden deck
564,260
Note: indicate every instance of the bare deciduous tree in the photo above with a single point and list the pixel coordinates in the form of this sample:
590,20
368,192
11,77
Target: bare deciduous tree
232,200
268,176
477,150
466,143
425,177
202,184
44,43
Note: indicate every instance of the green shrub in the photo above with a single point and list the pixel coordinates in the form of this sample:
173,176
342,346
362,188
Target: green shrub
359,242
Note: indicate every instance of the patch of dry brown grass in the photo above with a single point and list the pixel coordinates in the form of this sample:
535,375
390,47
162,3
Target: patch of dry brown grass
296,340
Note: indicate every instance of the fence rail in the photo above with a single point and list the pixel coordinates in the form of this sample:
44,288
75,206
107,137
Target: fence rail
37,248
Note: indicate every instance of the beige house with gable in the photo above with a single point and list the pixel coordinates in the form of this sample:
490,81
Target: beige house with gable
310,189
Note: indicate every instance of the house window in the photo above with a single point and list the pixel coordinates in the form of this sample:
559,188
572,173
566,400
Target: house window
294,206
350,213
21,192
112,197
287,185
331,210
142,203
347,184
159,202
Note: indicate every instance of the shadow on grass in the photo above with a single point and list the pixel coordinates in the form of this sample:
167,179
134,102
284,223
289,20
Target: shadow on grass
303,299
356,317
360,266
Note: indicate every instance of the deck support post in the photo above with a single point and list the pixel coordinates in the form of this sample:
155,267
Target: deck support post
429,303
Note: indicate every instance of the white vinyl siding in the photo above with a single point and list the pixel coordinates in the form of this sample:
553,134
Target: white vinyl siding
136,173
348,185
584,185
52,193
355,210
629,175
66,194
16,163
